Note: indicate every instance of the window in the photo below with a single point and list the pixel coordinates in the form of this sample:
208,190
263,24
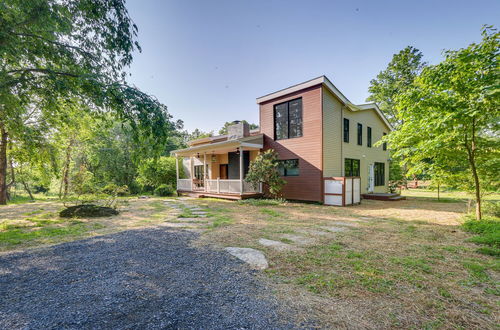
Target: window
369,137
288,119
346,130
289,167
351,167
360,134
384,145
379,174
198,172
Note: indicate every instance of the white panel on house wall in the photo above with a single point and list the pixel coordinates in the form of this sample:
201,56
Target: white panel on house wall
348,191
333,187
333,200
357,190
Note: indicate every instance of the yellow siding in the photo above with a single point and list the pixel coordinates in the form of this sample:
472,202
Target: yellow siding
366,155
332,134
335,150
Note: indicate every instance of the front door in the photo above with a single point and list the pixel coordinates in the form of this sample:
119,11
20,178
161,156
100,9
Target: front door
371,178
223,171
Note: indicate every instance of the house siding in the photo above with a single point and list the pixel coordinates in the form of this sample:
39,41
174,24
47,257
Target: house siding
308,148
332,135
366,155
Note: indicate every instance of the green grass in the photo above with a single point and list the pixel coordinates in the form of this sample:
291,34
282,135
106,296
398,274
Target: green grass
221,220
261,202
488,234
21,235
272,213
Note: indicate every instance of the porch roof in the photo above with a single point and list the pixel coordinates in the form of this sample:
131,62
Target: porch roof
246,143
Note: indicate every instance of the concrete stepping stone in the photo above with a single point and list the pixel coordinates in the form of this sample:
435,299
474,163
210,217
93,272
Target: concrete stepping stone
255,258
334,229
345,224
183,224
280,246
313,232
193,219
297,239
199,212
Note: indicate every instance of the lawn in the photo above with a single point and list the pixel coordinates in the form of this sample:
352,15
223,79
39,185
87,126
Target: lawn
406,264
32,224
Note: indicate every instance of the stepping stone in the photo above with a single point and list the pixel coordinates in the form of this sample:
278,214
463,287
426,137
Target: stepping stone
280,246
192,219
199,212
195,209
182,224
334,229
313,232
301,240
346,224
254,258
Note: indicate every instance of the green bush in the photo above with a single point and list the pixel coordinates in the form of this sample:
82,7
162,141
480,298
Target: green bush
164,190
154,172
488,231
491,208
113,189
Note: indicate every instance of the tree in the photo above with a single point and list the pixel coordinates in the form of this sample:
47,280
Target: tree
60,53
223,130
399,75
264,170
155,172
450,118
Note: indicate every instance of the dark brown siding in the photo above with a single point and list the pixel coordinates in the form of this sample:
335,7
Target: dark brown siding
308,148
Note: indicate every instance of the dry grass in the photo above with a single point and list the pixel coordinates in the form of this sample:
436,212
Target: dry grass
401,264
35,224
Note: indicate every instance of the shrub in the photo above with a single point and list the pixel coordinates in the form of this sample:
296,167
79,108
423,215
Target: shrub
154,172
115,190
87,211
264,169
491,208
164,190
488,231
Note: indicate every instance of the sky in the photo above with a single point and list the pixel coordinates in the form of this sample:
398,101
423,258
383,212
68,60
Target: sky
208,60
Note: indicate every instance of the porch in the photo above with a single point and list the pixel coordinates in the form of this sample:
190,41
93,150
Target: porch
217,169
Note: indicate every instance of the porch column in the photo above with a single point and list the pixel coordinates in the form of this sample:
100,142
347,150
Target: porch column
241,170
191,171
205,171
177,171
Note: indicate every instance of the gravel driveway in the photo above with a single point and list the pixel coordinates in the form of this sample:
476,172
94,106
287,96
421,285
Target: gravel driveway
148,278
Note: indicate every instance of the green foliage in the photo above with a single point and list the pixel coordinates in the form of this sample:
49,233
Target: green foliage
488,231
264,169
448,116
164,190
156,171
64,61
399,75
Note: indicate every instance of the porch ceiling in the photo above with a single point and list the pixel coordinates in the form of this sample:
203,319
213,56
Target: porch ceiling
217,148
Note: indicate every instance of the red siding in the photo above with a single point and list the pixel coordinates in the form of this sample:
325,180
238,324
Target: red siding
308,148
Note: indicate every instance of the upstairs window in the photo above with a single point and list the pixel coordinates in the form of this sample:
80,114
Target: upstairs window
360,134
369,137
351,167
346,130
384,145
289,167
288,119
379,174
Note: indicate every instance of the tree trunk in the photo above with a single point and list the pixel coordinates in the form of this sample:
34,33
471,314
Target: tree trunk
3,164
438,191
471,153
28,190
65,178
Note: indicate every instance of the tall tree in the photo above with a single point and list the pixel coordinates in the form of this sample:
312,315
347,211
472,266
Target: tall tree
55,53
399,75
450,117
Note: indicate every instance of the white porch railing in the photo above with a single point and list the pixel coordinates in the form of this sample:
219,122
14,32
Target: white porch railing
218,186
185,184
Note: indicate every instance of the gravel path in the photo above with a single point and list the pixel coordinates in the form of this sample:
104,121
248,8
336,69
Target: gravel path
135,279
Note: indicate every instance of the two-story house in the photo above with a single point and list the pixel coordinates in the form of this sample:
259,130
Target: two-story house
318,134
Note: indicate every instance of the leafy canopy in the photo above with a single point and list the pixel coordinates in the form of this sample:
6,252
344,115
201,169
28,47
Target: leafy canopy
264,169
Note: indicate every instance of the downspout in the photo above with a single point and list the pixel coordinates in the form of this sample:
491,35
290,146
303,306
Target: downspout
342,140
